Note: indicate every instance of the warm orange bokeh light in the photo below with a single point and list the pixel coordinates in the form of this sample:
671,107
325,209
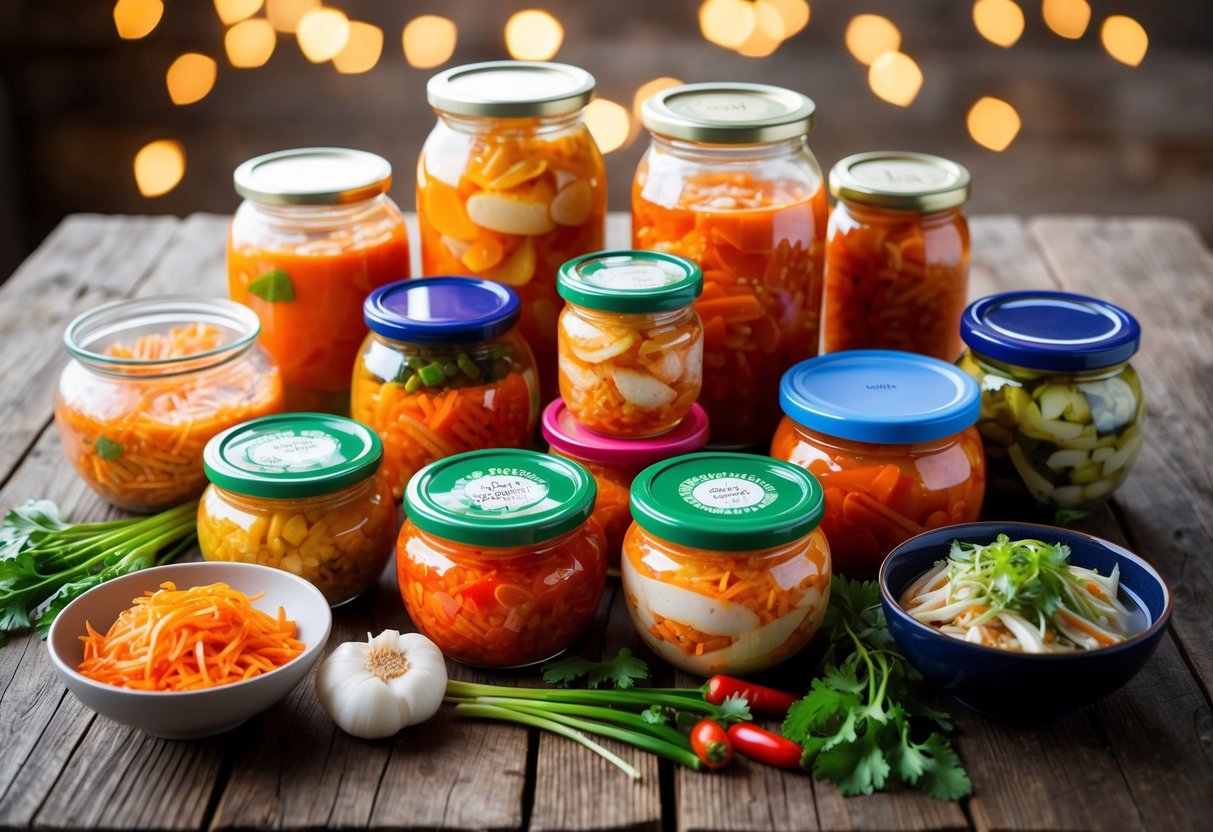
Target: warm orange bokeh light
869,35
993,123
895,77
1068,18
998,21
191,78
769,31
727,23
136,19
533,35
250,43
608,123
233,11
362,49
795,14
1125,39
322,33
650,88
429,41
159,166
286,14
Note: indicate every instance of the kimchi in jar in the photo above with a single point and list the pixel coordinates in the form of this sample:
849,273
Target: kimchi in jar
510,185
897,260
315,235
729,182
891,437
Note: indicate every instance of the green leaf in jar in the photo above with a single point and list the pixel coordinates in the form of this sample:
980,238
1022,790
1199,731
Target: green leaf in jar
274,286
108,449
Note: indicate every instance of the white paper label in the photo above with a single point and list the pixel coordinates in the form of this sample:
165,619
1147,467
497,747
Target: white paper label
631,277
290,451
503,493
728,492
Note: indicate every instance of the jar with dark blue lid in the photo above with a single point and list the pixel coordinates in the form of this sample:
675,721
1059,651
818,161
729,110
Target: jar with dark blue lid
443,371
890,435
1061,407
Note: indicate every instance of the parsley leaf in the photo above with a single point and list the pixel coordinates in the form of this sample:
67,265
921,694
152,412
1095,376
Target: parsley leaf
274,286
621,672
734,708
108,449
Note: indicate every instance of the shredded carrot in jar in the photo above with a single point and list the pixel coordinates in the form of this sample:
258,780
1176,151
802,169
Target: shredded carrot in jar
192,639
611,508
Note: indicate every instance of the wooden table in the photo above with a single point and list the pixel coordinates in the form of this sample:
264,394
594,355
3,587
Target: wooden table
1141,759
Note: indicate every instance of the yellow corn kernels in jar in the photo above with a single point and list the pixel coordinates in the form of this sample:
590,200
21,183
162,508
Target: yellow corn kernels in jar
300,492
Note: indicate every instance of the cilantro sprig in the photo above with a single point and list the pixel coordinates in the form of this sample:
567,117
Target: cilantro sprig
621,672
856,724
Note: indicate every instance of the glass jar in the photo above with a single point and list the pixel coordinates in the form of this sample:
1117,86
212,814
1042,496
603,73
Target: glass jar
890,437
510,185
500,561
725,569
630,343
150,381
300,492
1061,406
443,371
315,234
729,182
616,462
897,259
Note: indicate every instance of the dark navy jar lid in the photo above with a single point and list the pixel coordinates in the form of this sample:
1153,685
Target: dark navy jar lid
1050,330
880,396
442,310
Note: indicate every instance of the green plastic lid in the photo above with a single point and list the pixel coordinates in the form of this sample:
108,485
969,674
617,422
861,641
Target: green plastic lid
292,455
727,502
630,281
500,497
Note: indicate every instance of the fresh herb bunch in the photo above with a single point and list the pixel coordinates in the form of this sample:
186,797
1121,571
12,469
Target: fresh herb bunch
621,672
46,562
855,723
1028,577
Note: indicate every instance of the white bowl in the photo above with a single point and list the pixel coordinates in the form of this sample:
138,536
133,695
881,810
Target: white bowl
190,714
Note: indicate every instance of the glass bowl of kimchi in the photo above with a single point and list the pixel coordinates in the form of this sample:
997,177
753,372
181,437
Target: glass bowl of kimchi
176,603
1009,633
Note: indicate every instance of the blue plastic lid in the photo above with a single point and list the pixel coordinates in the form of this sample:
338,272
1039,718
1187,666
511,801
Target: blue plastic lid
880,396
1050,330
441,310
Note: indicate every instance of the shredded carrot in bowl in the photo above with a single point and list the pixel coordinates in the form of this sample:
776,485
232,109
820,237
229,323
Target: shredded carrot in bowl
192,639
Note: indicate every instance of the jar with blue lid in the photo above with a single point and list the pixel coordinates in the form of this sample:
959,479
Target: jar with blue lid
1061,406
443,371
890,435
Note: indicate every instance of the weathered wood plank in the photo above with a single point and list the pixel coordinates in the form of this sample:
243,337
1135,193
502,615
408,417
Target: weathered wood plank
87,260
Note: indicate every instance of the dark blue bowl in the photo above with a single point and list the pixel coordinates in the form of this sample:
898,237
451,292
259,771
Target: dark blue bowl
1011,685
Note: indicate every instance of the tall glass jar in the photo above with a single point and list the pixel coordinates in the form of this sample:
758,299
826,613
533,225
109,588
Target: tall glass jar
729,182
510,185
149,383
444,371
1061,406
630,342
725,569
315,235
890,437
897,260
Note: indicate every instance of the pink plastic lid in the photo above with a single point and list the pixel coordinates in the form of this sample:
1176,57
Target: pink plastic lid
566,435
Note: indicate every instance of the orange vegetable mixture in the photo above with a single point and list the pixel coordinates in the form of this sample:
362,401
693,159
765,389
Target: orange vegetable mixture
879,496
191,639
523,204
502,607
760,245
137,440
612,509
314,337
630,375
896,280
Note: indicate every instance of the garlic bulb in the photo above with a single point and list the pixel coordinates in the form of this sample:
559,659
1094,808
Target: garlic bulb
372,689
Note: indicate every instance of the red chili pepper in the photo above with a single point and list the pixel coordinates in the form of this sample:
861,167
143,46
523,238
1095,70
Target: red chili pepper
764,746
711,744
762,700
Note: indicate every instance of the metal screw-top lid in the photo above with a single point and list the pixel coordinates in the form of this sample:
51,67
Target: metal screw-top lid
729,113
313,176
900,181
510,89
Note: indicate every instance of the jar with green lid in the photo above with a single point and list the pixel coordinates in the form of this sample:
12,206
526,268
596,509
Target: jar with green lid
500,562
724,568
1061,406
299,492
897,259
630,342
